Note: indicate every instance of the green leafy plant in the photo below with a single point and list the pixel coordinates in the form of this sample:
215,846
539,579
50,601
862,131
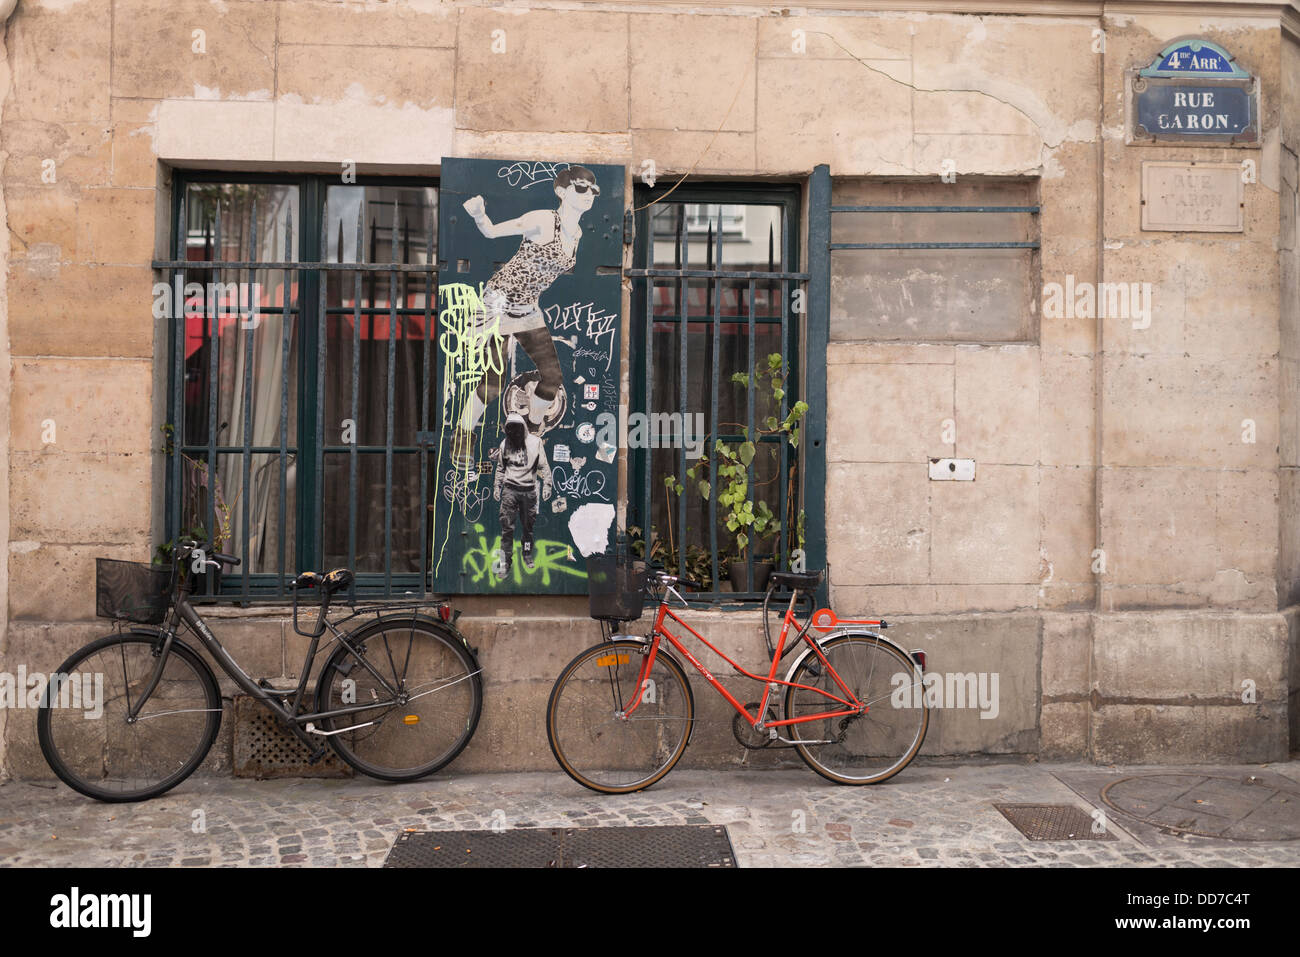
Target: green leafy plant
199,485
699,563
748,518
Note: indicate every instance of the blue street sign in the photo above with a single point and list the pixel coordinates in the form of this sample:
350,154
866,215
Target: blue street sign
1189,110
1195,58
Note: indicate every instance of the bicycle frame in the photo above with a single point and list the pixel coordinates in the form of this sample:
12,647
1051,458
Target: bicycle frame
851,707
185,612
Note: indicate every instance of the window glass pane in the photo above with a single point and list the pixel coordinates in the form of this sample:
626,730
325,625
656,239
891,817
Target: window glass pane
751,235
227,494
751,242
406,543
243,311
370,296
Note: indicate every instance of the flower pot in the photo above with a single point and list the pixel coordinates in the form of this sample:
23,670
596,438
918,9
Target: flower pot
736,572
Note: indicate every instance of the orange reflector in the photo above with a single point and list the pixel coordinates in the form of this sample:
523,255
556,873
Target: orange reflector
411,719
609,661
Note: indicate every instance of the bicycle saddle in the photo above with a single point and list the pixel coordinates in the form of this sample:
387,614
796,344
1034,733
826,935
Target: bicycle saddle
796,581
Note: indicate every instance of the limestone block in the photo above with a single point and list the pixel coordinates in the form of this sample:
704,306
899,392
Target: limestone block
799,127
96,405
835,38
156,52
1190,658
1185,411
70,497
1067,414
559,71
878,523
686,70
1067,654
81,152
888,412
42,221
420,77
1037,69
48,580
60,66
380,23
889,600
333,133
135,134
982,646
216,130
996,401
81,310
1064,730
1172,734
677,151
1158,525
986,530
116,226
1067,500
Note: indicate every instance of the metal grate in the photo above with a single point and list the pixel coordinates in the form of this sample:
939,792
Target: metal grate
264,750
1055,822
1246,808
705,845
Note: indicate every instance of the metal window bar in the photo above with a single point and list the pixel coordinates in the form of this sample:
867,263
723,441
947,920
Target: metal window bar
783,280
1032,244
261,586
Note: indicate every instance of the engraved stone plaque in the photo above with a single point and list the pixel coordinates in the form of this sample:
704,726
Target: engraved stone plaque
1195,197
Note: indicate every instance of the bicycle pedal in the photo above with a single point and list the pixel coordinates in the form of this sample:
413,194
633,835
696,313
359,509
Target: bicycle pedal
317,755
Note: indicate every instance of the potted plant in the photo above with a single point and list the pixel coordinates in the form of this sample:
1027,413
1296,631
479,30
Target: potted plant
199,486
750,520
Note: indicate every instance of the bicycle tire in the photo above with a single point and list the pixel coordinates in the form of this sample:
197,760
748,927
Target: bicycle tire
100,758
619,756
446,700
868,748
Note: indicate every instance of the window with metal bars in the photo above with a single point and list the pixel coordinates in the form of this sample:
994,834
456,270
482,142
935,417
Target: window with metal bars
714,283
301,362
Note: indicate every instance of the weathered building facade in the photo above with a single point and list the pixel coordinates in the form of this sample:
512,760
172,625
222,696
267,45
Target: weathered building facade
1125,559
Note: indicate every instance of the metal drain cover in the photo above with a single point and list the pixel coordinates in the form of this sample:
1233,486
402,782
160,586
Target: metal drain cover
1244,808
1055,822
703,845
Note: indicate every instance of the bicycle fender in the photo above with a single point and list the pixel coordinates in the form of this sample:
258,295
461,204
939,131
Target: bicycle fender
789,675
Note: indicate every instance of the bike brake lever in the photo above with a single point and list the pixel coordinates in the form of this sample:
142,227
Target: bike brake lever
674,591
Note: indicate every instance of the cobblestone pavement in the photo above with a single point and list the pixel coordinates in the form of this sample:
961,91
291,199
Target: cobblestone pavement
929,815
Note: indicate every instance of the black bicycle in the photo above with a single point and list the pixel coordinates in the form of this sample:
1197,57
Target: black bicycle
397,698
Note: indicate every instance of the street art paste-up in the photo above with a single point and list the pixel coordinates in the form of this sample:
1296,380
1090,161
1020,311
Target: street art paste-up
529,288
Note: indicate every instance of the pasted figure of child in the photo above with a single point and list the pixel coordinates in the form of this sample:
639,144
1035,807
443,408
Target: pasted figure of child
521,462
548,247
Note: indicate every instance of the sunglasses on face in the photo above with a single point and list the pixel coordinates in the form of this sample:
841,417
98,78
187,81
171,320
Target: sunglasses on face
582,186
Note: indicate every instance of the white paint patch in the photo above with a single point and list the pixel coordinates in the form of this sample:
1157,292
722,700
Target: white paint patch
22,548
589,526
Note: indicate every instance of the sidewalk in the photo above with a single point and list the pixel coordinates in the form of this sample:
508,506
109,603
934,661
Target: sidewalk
929,815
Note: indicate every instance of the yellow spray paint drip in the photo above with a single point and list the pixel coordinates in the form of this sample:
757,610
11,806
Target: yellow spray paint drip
608,661
411,719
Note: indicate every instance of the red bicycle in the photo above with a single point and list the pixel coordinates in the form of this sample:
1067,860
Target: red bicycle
621,713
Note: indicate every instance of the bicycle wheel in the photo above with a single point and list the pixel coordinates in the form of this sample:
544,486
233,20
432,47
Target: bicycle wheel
426,719
602,751
95,750
860,749
775,604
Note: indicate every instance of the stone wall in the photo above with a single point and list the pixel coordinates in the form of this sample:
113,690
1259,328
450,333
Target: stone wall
1087,434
